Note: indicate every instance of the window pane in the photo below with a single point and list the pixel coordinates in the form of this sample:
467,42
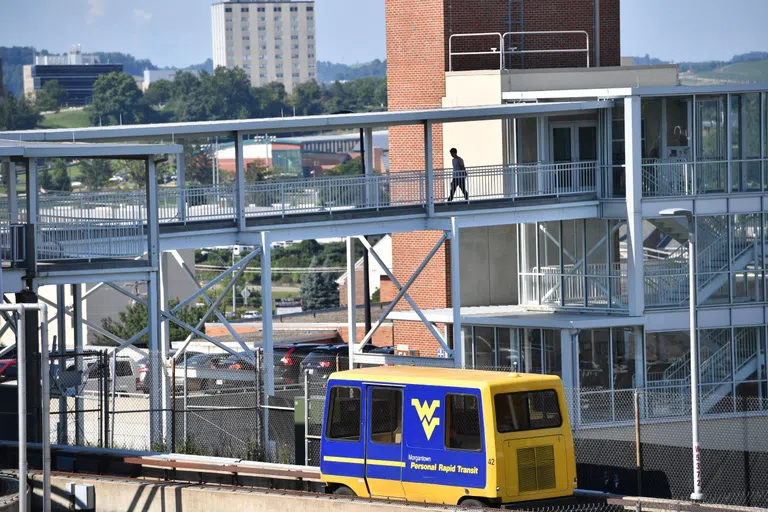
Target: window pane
748,352
532,351
594,359
533,410
715,356
469,359
344,414
463,429
553,360
623,359
386,421
651,113
666,357
677,128
484,348
509,357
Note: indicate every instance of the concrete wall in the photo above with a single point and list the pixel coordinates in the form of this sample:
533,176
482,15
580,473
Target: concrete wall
488,266
478,142
593,78
119,495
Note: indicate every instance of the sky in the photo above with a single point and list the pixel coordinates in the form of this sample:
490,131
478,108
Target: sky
178,32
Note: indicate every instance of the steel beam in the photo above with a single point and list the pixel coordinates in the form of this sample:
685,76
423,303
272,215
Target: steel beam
77,331
266,314
155,362
209,301
181,185
239,182
403,292
458,340
429,171
633,168
351,302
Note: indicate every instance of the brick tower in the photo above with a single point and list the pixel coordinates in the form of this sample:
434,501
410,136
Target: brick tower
417,59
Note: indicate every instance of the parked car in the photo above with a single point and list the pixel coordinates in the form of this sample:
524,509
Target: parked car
143,369
251,315
289,357
127,376
240,372
323,361
8,364
195,363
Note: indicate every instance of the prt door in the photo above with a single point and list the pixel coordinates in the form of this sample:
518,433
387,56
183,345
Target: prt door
384,444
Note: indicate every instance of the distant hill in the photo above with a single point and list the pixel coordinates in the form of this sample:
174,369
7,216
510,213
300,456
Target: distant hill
330,72
749,67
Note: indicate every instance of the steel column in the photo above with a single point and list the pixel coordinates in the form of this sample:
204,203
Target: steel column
13,195
429,170
77,329
239,182
181,186
458,342
351,301
633,159
156,370
165,336
266,314
61,332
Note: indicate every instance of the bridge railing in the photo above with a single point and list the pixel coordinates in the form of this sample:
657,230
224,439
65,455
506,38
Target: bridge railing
109,224
90,240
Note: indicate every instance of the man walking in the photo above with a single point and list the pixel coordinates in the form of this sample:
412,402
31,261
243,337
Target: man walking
459,175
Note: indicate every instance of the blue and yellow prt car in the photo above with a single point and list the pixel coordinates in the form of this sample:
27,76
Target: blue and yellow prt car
449,436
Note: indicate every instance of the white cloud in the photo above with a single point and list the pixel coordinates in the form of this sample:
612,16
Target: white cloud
95,10
142,15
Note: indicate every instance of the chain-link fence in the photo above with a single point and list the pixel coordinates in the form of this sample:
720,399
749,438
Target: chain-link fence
627,442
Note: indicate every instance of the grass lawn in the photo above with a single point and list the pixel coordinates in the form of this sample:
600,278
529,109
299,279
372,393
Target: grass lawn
66,119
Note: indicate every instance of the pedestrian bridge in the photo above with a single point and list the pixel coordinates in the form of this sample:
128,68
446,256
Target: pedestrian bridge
113,224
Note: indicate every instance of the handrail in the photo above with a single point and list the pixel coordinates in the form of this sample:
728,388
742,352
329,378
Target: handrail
549,32
502,51
479,34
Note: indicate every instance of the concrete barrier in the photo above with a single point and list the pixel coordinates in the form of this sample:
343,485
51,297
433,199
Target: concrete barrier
119,495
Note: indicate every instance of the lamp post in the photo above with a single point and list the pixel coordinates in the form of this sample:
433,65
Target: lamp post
696,495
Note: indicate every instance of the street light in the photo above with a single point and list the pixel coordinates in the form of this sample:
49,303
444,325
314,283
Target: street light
696,495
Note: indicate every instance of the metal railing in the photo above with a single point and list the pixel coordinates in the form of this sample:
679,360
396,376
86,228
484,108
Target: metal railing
502,50
88,240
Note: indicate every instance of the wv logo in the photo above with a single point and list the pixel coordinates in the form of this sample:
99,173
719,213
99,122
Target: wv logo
426,415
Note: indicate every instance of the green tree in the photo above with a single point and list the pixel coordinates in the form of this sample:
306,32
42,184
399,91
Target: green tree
95,173
60,180
18,114
135,318
307,99
51,96
159,93
135,170
319,290
45,180
117,100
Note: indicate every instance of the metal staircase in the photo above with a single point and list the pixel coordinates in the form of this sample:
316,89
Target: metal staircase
667,278
731,361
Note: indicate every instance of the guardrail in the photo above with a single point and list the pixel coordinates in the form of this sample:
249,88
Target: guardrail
111,224
90,240
502,50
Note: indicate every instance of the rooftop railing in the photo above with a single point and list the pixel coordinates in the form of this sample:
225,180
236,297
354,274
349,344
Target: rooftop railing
505,49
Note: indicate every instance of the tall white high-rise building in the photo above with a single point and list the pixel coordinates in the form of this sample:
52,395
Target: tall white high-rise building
273,41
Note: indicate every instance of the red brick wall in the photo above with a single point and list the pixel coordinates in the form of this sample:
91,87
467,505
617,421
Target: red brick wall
359,292
471,16
382,338
388,290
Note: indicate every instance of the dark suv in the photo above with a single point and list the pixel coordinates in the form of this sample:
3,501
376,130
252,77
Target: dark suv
288,359
323,361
